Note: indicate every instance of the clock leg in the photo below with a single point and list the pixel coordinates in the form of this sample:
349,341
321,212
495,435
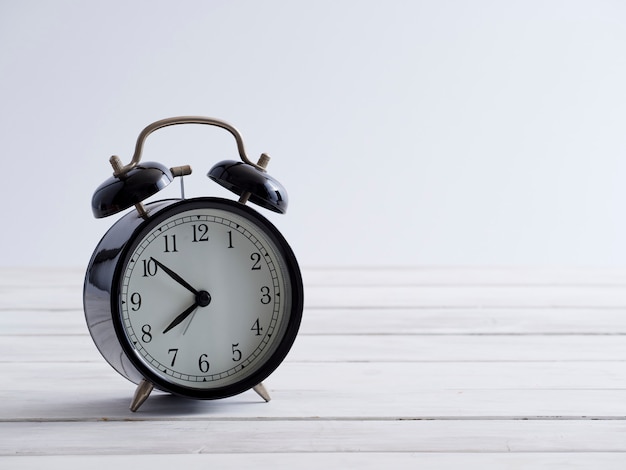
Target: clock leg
262,391
141,210
141,394
244,197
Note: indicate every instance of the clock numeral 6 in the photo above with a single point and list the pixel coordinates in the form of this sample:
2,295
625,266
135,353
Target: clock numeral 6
203,364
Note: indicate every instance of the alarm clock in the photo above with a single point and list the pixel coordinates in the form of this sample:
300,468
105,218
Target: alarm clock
200,297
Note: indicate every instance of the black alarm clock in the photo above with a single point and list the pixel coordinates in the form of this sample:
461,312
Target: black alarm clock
198,297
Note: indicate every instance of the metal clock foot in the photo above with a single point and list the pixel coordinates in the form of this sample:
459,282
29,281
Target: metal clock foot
141,394
262,391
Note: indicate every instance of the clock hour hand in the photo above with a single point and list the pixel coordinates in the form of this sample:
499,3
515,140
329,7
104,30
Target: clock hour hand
180,318
175,276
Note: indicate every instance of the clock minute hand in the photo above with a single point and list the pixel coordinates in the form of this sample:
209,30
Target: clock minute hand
179,319
175,276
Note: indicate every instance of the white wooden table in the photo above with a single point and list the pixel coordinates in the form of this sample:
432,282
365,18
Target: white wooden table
393,368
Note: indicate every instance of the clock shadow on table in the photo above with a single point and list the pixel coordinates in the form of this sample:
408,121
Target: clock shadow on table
166,404
163,404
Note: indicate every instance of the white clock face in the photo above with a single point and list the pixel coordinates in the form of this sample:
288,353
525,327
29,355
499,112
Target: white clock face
202,298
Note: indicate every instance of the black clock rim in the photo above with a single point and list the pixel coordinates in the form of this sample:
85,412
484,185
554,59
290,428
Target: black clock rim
294,316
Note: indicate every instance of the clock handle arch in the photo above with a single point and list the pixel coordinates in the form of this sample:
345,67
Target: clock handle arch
260,165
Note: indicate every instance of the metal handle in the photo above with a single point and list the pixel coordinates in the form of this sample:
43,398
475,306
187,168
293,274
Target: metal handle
190,120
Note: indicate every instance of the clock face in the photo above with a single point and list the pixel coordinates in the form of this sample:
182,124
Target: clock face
205,302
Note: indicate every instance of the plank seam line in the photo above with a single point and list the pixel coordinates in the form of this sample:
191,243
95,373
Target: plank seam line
314,419
477,307
375,334
590,285
504,333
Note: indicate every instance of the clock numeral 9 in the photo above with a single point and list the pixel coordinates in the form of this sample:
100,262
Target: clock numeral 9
203,364
135,299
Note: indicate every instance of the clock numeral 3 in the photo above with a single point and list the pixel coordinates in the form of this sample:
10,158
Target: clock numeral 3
266,298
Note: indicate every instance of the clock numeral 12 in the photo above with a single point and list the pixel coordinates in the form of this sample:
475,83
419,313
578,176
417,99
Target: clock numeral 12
200,233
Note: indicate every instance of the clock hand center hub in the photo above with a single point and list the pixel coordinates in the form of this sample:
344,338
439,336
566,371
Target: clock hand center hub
203,298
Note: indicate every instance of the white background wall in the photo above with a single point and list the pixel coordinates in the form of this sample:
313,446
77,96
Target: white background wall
406,132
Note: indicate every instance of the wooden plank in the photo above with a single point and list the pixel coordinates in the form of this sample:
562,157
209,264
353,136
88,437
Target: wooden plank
19,278
220,436
348,321
364,348
70,298
86,391
28,277
463,296
465,321
362,459
42,322
345,377
462,276
452,367
461,348
62,289
108,399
